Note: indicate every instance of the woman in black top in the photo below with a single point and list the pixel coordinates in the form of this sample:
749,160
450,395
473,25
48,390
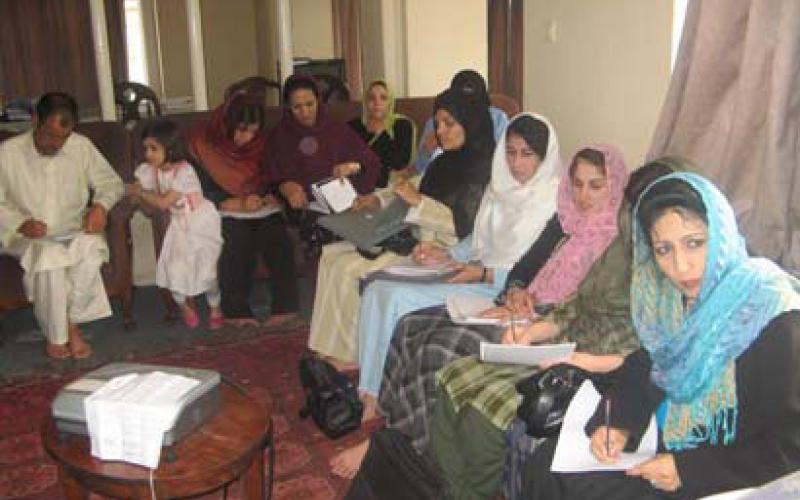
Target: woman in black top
391,136
721,345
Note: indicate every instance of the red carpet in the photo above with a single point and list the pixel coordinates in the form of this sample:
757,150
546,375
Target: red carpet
265,366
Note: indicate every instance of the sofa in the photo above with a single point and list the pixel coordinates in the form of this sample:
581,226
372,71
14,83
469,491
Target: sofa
120,145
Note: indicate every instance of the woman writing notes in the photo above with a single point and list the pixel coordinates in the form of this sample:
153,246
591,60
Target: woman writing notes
721,338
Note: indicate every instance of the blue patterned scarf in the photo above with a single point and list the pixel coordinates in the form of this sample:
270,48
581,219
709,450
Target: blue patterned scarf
694,352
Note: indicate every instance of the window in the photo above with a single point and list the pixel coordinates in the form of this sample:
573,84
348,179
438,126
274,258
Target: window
678,18
134,39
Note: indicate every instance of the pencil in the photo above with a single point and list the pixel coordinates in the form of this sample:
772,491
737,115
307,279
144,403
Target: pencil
608,427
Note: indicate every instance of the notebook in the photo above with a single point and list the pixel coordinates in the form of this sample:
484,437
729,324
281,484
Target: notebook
366,228
334,193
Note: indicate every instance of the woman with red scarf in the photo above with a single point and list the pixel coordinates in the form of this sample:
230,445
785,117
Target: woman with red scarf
229,150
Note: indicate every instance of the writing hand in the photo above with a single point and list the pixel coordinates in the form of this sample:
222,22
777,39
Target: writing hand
95,219
294,194
520,302
32,229
500,312
615,440
660,471
467,273
429,254
252,202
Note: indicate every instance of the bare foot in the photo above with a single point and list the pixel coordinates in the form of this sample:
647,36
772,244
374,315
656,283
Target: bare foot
242,322
370,407
58,351
77,345
347,462
283,319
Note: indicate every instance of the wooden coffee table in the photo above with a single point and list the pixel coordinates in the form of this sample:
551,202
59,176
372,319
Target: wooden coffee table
229,446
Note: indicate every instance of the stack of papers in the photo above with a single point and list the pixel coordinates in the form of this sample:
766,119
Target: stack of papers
530,355
334,194
128,415
573,451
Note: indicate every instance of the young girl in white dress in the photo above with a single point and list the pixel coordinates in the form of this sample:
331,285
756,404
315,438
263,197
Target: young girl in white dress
187,265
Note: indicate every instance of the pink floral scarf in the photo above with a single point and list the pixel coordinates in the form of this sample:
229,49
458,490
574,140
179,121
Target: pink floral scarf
588,235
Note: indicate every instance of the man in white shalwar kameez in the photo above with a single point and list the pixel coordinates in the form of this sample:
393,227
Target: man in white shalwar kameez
46,177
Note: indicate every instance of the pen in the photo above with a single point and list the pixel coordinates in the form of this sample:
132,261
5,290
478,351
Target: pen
513,328
608,427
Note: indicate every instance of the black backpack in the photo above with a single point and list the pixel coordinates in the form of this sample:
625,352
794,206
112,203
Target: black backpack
331,398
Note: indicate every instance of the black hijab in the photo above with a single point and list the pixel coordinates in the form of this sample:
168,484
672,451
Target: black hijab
457,178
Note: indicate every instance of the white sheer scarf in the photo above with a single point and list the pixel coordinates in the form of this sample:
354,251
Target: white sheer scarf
512,215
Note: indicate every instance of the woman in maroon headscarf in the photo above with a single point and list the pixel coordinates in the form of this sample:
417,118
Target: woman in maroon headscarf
229,150
308,146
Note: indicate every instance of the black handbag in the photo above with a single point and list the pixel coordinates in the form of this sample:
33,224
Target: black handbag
401,243
331,398
546,396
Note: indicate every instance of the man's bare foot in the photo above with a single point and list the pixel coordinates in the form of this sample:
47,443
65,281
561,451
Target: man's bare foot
347,462
242,322
77,345
58,351
370,407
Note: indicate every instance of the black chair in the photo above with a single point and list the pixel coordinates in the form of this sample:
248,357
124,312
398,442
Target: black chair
254,84
132,98
332,88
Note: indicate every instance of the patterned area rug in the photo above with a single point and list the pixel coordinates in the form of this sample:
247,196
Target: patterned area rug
265,366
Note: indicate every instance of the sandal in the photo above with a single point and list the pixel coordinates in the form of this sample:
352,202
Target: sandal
58,351
215,320
190,317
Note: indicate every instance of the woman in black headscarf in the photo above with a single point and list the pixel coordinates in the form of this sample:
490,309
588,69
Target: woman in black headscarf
443,208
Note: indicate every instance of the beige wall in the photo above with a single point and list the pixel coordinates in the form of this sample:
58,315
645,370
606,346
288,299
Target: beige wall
229,42
174,34
372,59
443,37
598,70
312,28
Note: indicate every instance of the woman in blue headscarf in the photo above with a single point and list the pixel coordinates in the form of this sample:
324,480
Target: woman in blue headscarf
719,365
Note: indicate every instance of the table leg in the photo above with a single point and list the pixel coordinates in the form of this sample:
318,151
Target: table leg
254,478
73,490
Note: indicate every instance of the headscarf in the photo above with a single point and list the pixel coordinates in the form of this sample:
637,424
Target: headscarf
307,154
390,118
588,234
694,352
512,215
473,84
236,169
457,178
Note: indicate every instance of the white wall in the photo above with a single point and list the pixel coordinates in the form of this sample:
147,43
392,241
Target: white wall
443,37
312,28
598,70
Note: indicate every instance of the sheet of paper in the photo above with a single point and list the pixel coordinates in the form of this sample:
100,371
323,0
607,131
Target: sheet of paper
407,267
530,355
319,207
744,494
466,309
64,237
258,214
337,194
128,416
573,453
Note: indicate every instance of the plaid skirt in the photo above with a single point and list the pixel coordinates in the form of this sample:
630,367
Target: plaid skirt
423,342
